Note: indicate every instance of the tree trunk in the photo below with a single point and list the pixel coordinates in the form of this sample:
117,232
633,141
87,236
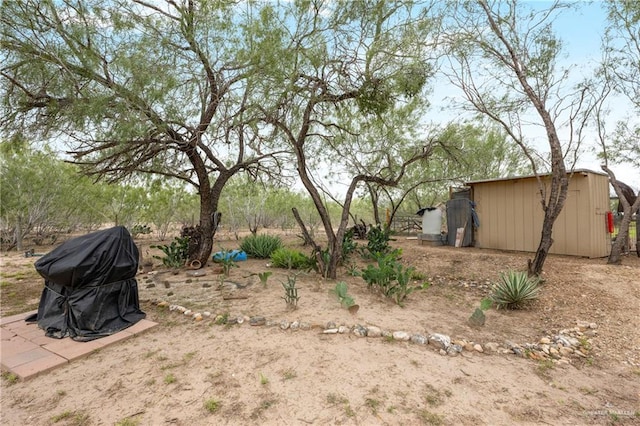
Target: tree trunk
638,233
209,218
18,234
335,257
535,266
629,206
308,239
206,234
375,198
325,217
306,236
552,207
615,257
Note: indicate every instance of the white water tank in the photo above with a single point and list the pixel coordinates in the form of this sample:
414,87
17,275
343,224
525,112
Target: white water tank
432,221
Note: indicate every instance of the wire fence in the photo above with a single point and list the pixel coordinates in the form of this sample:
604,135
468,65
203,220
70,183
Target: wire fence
406,224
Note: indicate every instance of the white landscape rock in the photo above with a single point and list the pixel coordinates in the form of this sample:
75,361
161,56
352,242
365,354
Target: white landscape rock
560,348
374,331
441,341
491,347
401,335
360,331
419,339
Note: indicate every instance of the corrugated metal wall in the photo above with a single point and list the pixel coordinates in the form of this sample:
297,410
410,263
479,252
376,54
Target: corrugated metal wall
511,215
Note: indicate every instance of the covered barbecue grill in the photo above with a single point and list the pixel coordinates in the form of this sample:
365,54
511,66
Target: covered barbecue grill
90,286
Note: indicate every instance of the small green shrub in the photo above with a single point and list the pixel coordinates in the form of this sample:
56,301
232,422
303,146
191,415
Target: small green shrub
390,277
129,421
10,378
402,289
264,380
486,304
290,259
340,291
348,245
77,418
222,319
514,289
176,253
378,242
211,405
382,274
352,270
264,276
260,246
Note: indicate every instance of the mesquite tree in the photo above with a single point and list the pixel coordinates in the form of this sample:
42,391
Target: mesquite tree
347,69
504,57
620,75
138,86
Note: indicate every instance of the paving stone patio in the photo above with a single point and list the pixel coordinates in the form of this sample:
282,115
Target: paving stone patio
26,352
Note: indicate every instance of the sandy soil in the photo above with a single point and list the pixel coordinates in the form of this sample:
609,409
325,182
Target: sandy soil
187,372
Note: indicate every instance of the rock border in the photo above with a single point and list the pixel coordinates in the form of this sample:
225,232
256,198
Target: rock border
562,348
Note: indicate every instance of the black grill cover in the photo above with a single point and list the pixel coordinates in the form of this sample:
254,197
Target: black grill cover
90,286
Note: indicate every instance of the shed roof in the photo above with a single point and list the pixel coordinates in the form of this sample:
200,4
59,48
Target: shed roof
582,171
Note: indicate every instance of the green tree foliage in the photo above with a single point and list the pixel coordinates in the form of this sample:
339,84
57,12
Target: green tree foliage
358,72
622,69
125,204
42,195
166,203
480,151
465,152
248,204
141,87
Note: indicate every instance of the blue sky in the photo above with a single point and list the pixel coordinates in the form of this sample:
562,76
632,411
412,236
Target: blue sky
583,29
582,33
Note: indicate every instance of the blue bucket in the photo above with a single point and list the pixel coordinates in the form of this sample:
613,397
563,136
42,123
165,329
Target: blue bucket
236,255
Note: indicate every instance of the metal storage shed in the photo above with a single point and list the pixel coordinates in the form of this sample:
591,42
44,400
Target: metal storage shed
511,214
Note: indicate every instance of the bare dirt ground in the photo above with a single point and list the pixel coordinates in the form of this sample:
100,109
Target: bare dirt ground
188,372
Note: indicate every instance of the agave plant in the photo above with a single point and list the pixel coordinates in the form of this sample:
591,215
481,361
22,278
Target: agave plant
514,289
261,246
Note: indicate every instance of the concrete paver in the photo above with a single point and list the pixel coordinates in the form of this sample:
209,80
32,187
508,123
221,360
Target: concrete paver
27,352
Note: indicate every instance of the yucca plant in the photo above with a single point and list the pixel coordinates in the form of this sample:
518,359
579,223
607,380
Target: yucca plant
261,246
514,289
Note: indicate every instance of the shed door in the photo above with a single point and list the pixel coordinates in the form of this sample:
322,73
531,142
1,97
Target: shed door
459,216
